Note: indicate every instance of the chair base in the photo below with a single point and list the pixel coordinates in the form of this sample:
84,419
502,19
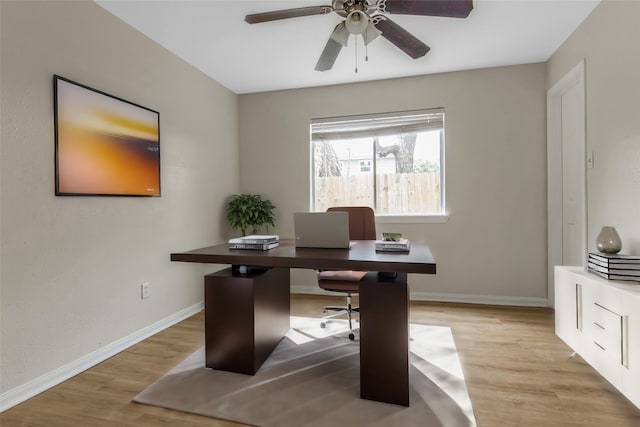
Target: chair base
349,309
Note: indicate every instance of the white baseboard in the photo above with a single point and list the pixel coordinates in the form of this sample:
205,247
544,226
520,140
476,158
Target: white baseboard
37,385
443,297
480,299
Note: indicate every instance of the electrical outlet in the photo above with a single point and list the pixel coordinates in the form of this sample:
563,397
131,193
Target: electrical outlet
144,290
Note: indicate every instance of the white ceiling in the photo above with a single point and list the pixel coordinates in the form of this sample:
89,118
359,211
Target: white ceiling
213,37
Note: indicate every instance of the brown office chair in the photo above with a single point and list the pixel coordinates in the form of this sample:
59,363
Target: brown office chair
362,226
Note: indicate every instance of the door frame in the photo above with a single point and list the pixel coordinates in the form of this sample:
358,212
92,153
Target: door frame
575,77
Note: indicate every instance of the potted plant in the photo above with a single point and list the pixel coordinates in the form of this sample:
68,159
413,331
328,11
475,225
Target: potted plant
250,212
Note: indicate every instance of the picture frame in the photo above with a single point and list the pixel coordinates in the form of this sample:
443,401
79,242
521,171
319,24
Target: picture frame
104,145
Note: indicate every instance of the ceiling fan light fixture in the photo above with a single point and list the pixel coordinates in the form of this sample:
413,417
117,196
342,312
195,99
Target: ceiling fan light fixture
341,34
371,33
357,22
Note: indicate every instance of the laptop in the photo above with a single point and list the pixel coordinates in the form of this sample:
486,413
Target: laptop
322,230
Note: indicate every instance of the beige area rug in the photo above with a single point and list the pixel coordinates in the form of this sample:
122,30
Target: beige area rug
312,379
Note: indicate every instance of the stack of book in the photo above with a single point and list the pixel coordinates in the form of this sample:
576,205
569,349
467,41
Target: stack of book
258,242
399,245
615,266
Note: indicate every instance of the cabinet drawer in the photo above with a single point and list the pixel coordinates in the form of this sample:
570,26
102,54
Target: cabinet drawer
605,328
607,299
604,335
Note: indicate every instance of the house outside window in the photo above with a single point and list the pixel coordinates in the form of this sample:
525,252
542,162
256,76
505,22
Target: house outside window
392,162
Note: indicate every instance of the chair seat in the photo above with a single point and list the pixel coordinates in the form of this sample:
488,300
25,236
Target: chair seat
342,275
340,281
335,286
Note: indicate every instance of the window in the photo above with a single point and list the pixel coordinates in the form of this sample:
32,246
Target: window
391,162
365,166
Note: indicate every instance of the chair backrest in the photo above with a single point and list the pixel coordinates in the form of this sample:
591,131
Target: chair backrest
362,221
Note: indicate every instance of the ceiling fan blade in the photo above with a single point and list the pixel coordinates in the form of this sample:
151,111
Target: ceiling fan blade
329,55
257,18
400,37
447,8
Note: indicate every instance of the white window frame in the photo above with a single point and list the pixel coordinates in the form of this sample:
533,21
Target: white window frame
390,218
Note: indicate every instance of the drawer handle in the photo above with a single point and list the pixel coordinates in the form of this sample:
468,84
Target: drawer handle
605,308
625,341
579,307
601,347
599,325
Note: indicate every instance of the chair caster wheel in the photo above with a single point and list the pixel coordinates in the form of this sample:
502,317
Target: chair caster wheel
323,325
351,336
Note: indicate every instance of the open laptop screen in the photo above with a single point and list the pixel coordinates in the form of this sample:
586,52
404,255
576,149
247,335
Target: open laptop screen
322,229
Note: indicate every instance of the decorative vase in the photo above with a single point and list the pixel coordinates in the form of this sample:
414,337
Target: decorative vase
608,241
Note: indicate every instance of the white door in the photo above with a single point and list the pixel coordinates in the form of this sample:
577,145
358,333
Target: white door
566,159
573,171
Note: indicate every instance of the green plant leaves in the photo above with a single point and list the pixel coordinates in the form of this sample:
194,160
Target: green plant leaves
250,211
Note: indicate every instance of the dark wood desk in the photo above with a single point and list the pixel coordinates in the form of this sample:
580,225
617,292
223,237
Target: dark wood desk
246,315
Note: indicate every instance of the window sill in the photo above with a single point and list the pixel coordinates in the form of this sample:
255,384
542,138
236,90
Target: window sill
412,219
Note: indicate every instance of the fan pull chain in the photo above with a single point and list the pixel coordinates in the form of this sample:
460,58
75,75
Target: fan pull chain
356,51
366,47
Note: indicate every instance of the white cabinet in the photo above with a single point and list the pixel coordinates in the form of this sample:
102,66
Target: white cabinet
600,320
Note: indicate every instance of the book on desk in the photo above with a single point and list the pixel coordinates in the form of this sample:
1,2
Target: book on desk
257,242
400,245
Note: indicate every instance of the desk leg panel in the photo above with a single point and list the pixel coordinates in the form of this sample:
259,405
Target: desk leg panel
384,339
246,316
272,309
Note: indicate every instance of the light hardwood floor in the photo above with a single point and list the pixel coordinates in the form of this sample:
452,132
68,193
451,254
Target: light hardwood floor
518,374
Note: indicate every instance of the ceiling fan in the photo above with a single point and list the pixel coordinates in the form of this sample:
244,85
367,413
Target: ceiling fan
367,18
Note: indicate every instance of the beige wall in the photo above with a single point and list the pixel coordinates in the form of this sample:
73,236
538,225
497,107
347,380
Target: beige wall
493,247
608,41
71,267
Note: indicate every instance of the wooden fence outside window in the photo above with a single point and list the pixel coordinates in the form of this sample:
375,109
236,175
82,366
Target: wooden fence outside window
406,193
